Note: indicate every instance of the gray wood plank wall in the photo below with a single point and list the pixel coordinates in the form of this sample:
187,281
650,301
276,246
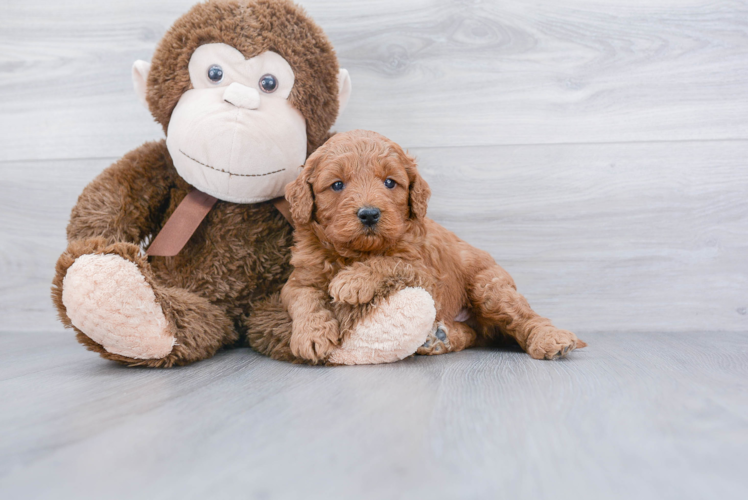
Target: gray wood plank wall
596,148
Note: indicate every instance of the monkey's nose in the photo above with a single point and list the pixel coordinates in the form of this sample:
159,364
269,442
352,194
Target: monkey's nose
242,96
369,216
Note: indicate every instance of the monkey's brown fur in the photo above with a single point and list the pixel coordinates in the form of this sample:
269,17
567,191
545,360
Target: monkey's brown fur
240,253
340,262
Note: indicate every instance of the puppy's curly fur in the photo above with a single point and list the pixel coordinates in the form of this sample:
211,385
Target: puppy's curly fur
344,266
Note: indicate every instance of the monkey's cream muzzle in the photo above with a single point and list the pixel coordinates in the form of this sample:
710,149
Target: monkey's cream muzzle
231,138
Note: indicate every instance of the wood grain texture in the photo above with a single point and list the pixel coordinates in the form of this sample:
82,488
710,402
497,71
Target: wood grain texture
608,237
35,203
425,72
632,416
611,237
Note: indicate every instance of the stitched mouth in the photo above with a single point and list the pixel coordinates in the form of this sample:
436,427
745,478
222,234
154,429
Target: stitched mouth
230,173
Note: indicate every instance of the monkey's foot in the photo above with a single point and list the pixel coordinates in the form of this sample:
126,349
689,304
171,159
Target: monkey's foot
109,300
551,343
393,331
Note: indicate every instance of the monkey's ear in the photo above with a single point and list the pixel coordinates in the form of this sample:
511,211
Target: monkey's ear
344,90
418,191
300,196
140,78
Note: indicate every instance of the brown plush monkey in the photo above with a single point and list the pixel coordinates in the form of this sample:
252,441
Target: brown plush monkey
245,90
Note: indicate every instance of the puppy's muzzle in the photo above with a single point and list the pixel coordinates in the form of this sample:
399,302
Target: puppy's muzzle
369,216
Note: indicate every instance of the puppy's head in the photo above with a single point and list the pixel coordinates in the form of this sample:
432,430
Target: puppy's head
361,191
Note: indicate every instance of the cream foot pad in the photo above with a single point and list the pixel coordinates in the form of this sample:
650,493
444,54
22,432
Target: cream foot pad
395,330
108,299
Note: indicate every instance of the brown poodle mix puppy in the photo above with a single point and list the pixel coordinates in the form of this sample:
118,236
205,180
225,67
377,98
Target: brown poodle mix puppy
362,233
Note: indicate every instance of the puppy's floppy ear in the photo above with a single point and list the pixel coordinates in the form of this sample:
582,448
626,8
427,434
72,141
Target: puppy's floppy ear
418,190
300,195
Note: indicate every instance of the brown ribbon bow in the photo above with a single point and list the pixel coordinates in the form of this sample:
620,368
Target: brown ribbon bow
187,218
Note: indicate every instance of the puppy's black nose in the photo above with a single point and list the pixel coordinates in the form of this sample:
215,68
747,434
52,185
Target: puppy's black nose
369,216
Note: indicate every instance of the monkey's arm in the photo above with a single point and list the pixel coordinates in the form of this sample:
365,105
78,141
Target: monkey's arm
123,203
315,330
385,309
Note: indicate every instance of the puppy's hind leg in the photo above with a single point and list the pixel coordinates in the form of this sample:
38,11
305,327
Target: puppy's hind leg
448,336
496,301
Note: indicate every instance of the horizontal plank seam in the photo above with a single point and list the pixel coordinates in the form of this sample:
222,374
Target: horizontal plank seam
463,146
39,160
599,143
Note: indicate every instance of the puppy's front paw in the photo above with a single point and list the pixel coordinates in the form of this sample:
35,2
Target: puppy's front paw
552,343
352,286
314,341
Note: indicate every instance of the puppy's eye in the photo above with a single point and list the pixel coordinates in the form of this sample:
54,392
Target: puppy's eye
337,186
268,83
215,73
389,183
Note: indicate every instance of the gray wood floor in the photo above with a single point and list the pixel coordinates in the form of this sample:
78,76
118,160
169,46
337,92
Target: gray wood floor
596,148
633,416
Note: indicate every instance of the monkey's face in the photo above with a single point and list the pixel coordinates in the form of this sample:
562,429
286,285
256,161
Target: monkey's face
235,135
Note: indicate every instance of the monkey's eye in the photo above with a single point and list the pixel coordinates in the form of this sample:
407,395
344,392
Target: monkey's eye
215,73
389,183
337,186
268,84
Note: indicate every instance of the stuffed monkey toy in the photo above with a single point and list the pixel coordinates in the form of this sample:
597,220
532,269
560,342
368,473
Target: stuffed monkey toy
172,248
